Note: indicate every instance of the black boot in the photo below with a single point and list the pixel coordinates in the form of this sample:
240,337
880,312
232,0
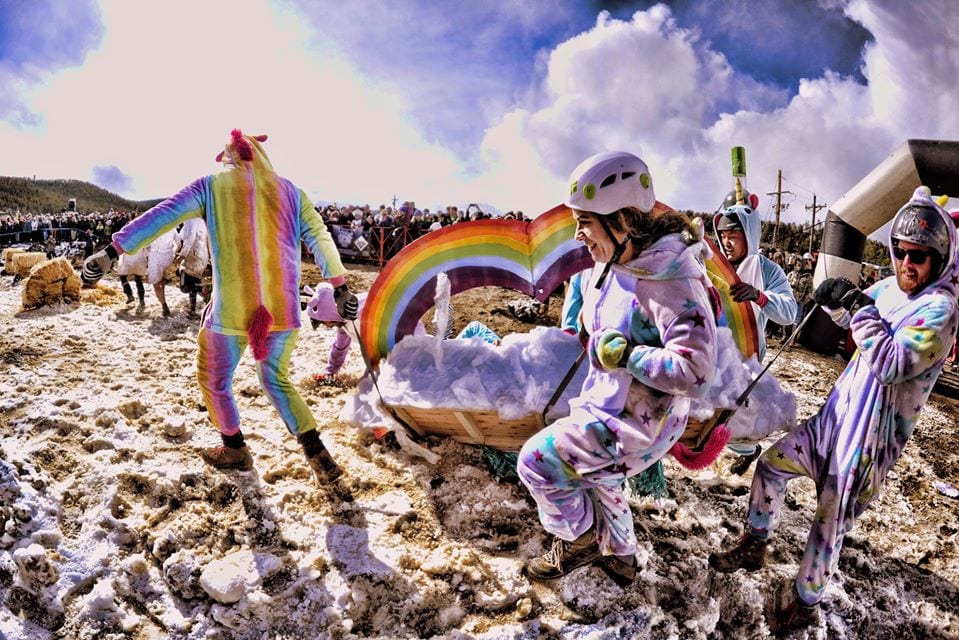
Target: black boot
325,469
749,554
742,463
127,289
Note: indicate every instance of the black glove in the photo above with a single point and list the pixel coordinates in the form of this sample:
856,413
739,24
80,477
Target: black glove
855,299
346,304
743,291
98,265
830,291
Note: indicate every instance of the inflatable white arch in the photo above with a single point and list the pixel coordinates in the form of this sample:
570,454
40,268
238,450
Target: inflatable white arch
871,203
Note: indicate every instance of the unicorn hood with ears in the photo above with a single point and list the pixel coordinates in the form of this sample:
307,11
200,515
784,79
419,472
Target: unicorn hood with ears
245,149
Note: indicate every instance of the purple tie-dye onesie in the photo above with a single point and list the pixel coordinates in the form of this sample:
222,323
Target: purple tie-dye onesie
626,419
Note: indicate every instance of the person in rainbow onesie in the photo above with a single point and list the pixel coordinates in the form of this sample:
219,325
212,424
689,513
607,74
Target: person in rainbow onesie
256,221
904,327
762,282
651,345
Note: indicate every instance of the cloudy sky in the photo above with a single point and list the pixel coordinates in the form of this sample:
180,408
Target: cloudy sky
492,102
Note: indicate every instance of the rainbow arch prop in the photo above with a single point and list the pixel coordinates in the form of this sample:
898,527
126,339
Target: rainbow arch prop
533,258
530,257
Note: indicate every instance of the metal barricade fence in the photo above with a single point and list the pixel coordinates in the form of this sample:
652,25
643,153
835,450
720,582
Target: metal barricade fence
373,246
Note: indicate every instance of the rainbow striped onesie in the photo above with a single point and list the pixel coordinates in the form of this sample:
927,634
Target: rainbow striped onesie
256,222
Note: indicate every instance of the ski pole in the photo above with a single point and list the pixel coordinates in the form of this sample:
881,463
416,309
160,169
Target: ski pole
564,383
726,414
410,431
742,397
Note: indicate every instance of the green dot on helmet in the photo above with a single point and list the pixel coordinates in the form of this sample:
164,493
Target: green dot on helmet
572,188
589,191
644,180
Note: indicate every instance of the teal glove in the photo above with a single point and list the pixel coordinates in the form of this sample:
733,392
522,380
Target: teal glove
609,349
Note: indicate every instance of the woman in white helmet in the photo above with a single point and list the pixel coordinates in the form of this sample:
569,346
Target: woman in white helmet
652,335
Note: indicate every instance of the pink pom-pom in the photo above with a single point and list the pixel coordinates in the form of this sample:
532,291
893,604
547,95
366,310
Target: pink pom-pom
697,460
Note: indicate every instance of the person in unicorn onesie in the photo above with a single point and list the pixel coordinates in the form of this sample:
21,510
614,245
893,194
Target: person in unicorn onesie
763,283
652,345
256,221
321,308
904,327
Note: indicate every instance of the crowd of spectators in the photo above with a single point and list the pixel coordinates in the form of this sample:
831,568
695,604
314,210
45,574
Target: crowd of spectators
65,226
365,234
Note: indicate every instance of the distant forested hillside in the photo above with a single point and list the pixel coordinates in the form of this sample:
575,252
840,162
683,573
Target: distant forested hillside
50,196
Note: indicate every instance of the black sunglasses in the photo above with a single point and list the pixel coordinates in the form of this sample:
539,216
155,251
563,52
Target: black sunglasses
916,256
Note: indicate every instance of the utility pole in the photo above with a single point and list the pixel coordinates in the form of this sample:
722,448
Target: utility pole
779,204
812,227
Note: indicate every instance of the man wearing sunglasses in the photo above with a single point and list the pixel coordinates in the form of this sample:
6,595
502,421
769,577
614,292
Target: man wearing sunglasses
904,327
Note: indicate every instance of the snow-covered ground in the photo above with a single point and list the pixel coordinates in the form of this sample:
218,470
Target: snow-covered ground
112,527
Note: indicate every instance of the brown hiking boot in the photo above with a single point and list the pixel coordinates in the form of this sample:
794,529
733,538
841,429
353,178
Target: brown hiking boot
620,569
741,464
563,557
796,615
228,458
749,554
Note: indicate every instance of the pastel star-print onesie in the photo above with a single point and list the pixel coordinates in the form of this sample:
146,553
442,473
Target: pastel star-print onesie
848,448
626,419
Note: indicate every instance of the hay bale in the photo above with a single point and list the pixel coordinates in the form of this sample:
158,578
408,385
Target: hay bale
101,295
8,259
51,281
25,260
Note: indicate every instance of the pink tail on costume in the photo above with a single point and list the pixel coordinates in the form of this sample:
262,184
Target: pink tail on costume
259,328
713,446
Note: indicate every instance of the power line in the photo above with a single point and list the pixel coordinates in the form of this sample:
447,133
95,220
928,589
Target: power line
799,186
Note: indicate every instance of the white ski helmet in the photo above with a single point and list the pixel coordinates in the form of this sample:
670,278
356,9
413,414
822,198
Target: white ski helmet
607,182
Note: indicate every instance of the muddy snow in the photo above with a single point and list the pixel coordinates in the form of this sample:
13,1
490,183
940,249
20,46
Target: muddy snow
112,527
